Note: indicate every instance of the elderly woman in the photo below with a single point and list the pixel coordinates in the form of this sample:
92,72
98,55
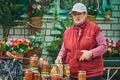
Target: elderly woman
83,46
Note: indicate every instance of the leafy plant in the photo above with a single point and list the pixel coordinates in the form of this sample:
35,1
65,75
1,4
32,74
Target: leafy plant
16,45
38,7
92,10
36,40
107,7
9,11
113,48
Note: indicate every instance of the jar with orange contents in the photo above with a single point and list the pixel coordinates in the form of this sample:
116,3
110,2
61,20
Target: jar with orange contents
34,62
56,77
45,66
36,75
81,75
28,75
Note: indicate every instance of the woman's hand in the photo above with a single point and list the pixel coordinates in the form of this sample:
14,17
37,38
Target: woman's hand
58,59
86,55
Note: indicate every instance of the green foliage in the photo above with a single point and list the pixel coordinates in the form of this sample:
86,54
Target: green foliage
92,10
108,8
63,26
17,45
38,7
55,46
36,40
113,48
9,11
114,52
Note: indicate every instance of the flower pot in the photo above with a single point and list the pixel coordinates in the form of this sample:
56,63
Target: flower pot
18,55
38,51
91,18
107,15
112,61
36,21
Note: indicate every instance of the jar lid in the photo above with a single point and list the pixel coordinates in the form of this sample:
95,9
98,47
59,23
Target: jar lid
56,74
44,72
36,72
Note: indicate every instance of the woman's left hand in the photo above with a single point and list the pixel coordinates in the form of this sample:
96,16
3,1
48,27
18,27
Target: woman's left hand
86,55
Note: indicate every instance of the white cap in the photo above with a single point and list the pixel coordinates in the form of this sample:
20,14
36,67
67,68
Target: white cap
79,7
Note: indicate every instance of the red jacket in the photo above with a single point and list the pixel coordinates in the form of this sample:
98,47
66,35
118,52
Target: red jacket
86,41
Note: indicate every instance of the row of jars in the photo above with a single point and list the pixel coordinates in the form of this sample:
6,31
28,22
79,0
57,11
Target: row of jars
48,72
35,75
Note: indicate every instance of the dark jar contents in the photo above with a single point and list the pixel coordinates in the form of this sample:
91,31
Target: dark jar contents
56,77
34,62
36,76
28,75
81,75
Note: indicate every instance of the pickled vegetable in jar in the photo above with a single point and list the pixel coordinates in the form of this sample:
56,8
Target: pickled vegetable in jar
45,67
81,75
66,70
28,75
36,75
56,77
53,69
34,61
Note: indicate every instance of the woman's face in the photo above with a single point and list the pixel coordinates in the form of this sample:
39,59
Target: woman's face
78,17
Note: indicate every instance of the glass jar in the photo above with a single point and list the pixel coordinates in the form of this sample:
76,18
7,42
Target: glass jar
34,62
60,70
45,67
56,77
40,64
36,75
81,75
53,70
45,76
28,75
65,78
66,70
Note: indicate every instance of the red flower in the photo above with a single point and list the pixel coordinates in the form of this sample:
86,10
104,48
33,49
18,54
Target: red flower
118,44
113,49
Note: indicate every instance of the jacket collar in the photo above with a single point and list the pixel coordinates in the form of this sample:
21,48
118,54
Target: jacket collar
81,26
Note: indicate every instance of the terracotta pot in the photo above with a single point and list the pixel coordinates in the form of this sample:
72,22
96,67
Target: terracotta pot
19,55
36,21
91,18
29,54
107,15
38,51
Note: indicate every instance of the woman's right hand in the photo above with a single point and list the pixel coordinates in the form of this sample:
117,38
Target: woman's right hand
58,59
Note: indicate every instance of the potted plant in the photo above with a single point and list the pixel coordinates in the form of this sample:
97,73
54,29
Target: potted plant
93,8
14,47
36,42
107,10
36,9
112,56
